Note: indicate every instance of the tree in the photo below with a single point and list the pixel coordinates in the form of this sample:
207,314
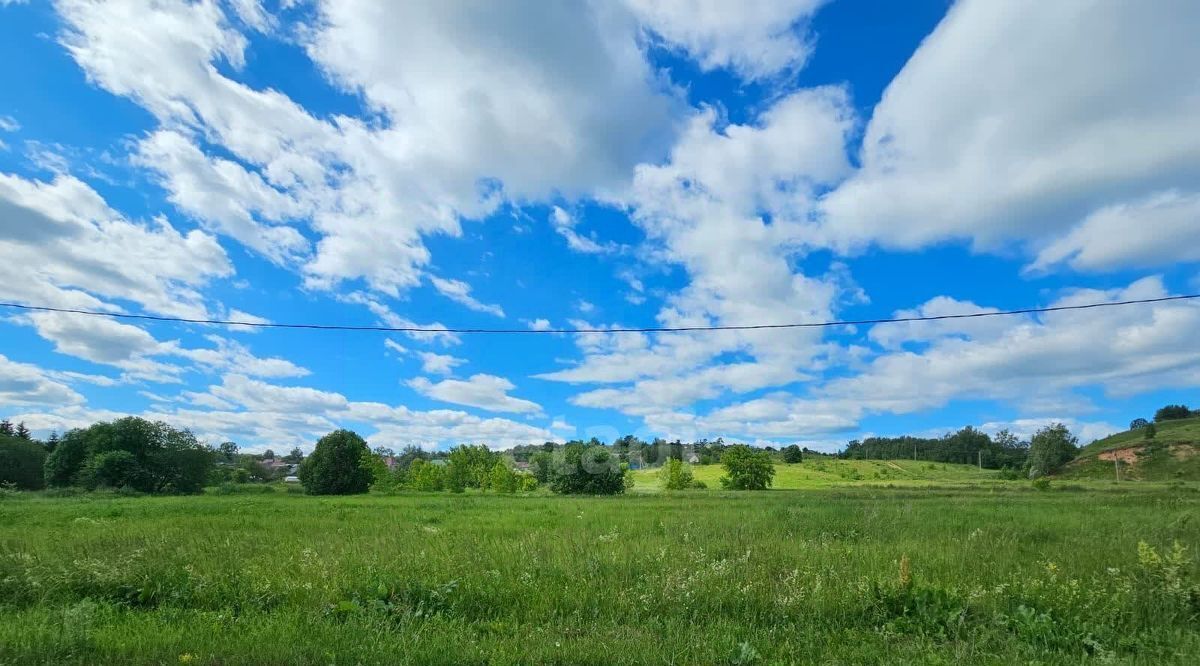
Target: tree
1149,432
21,463
52,441
295,457
676,475
473,463
381,476
115,469
1051,447
1138,424
583,469
502,479
66,460
23,432
1172,412
540,464
746,468
336,465
6,428
268,455
793,454
424,475
228,450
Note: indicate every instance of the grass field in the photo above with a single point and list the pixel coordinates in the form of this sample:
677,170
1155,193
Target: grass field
1001,574
831,472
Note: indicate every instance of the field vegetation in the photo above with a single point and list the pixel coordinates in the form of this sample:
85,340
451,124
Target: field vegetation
1002,574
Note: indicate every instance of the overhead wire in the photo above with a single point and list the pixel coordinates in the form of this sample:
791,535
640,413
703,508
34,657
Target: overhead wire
586,330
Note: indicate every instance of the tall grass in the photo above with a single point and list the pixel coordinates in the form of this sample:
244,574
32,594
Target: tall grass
852,575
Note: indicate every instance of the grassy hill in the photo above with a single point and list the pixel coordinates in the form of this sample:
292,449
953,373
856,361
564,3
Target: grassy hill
1173,454
1183,430
827,472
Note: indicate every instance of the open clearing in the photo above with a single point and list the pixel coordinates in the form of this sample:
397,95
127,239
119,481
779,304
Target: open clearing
996,574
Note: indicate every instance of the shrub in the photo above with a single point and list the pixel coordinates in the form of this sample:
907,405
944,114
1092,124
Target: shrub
527,482
793,454
676,475
425,476
1172,412
747,468
1149,432
336,465
587,470
1041,483
1009,473
502,479
1138,424
21,463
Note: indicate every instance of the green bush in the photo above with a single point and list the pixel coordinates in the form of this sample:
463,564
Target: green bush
1172,413
426,476
676,475
21,463
747,468
582,469
503,479
336,465
115,469
161,459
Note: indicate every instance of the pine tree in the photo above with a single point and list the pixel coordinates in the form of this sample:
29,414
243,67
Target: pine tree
6,427
23,432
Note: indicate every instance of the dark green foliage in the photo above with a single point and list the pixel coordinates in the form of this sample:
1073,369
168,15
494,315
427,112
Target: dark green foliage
164,459
541,464
295,457
747,468
793,454
967,446
115,469
1138,423
582,469
228,450
1051,447
1172,412
66,460
336,465
21,462
1149,431
6,428
23,432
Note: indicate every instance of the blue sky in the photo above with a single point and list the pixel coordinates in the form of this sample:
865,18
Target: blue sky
621,164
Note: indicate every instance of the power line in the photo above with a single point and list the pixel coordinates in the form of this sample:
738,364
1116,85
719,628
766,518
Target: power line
649,329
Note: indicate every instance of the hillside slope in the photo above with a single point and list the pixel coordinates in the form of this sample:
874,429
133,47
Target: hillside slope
1173,454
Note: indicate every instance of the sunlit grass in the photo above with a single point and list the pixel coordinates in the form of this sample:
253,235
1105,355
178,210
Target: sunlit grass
999,574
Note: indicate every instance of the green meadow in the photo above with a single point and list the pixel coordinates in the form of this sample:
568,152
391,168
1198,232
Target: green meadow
913,569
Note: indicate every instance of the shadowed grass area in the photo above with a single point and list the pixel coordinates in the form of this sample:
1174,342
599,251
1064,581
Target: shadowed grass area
997,574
